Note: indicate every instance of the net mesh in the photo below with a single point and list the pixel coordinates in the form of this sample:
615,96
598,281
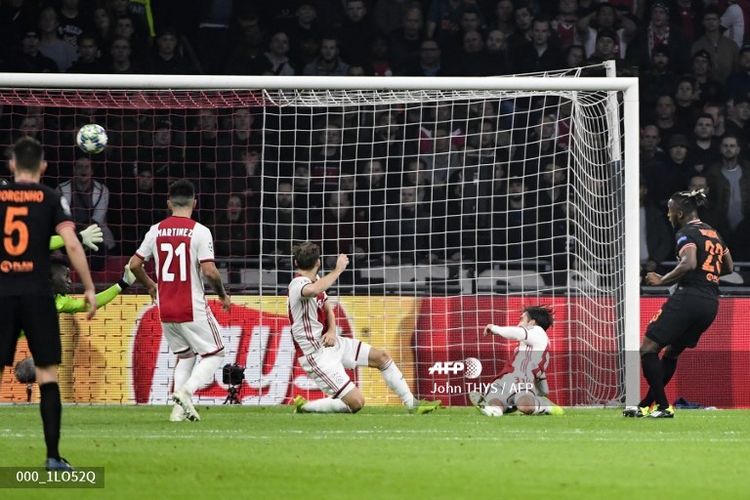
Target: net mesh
457,209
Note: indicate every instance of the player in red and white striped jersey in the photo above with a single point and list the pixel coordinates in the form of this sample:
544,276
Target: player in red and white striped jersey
522,384
182,250
325,355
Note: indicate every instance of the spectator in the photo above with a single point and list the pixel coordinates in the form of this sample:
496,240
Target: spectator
142,205
88,200
444,21
708,88
552,231
357,33
606,47
370,196
733,20
73,22
664,117
428,64
89,56
125,28
606,17
718,113
575,56
121,63
389,14
513,223
656,239
31,60
328,63
50,44
522,35
722,50
167,159
738,114
285,222
679,166
472,60
687,18
247,57
504,18
277,55
729,182
738,82
704,149
405,42
379,58
407,230
498,58
660,79
213,33
658,33
540,55
565,24
103,27
202,160
168,59
707,212
686,104
235,232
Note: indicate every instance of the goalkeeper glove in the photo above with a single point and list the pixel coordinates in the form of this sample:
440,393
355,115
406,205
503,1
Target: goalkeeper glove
128,278
91,236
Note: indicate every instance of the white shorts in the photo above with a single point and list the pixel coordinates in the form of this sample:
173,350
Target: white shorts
503,390
198,337
327,366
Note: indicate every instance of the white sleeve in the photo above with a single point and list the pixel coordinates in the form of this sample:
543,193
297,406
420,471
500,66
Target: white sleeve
146,250
204,244
734,21
537,338
296,286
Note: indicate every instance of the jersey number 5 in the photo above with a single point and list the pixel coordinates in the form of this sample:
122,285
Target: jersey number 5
167,273
715,252
15,226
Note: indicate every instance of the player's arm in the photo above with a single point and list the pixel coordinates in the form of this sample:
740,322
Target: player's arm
78,260
688,262
90,237
135,266
214,279
71,305
324,283
329,336
727,267
508,332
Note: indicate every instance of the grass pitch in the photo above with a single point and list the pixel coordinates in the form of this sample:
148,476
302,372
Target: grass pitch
240,452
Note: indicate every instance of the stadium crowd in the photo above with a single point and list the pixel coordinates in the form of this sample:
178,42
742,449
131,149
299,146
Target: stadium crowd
388,184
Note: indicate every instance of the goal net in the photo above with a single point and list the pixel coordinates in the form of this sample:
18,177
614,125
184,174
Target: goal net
458,205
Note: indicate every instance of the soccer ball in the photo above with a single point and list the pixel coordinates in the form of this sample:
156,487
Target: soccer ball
92,138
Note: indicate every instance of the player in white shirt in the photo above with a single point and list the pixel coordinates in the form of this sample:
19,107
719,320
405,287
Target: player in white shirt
522,384
325,355
182,250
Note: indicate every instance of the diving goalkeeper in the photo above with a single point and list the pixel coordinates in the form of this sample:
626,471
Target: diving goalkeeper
522,384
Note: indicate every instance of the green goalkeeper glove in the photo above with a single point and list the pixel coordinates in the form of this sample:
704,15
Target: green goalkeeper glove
91,236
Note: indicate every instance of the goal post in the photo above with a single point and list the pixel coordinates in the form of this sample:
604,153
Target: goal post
597,242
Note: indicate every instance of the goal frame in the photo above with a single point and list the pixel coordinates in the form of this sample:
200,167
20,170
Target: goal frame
627,85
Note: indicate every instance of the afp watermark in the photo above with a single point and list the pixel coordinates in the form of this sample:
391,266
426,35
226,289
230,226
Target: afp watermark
471,368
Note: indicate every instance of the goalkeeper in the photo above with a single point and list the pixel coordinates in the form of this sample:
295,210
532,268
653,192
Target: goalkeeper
522,384
64,303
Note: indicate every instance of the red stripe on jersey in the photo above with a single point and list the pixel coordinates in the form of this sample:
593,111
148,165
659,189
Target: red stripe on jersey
342,389
64,224
325,378
688,245
542,364
174,276
212,324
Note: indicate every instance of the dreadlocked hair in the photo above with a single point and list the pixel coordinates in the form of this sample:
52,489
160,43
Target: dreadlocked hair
689,201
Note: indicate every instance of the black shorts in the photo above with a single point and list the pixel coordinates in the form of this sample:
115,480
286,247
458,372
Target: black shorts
36,316
683,318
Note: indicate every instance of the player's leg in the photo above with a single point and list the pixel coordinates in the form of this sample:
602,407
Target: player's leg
185,363
392,376
326,370
205,339
10,328
41,325
669,366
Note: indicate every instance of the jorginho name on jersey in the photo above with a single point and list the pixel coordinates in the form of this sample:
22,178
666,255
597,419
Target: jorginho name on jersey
710,252
179,245
307,316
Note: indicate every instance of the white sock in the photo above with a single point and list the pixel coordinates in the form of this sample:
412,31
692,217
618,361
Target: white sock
203,374
182,371
326,405
395,381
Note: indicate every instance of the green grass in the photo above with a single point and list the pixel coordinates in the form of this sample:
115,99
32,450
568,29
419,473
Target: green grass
386,453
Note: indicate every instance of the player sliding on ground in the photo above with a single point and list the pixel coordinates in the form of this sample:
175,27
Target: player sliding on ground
522,384
679,324
325,355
